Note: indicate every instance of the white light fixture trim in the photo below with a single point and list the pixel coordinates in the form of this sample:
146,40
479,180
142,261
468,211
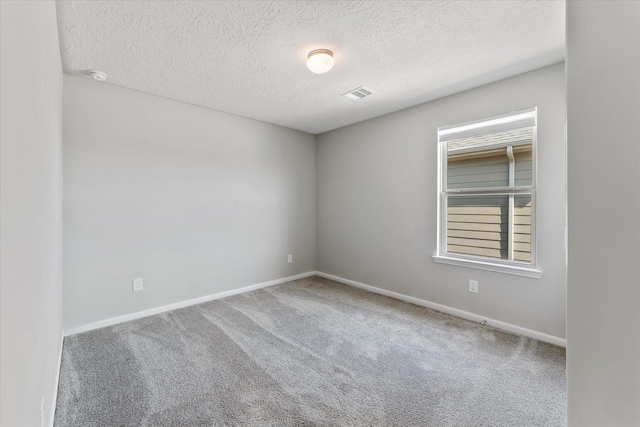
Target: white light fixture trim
98,75
320,61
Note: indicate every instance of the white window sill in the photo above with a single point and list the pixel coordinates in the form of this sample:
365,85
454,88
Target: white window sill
482,265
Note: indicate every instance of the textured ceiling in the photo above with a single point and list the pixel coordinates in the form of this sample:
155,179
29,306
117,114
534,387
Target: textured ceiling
248,57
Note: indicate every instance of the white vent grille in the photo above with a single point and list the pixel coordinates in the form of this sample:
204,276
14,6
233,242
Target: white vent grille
358,93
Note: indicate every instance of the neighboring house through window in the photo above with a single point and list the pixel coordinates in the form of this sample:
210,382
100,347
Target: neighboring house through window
487,194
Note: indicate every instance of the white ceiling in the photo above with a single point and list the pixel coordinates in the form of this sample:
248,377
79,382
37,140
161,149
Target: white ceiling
248,57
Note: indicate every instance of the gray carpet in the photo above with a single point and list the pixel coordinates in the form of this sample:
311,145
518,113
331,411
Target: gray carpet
308,352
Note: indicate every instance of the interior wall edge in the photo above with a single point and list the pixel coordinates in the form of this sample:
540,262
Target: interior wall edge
31,135
54,401
603,153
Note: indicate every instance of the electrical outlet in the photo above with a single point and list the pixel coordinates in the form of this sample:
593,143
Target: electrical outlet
137,284
473,286
289,258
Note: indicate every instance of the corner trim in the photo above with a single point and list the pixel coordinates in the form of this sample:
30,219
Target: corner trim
186,303
54,400
453,311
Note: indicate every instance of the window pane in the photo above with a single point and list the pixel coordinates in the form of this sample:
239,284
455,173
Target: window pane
523,155
487,190
478,225
484,161
522,228
479,169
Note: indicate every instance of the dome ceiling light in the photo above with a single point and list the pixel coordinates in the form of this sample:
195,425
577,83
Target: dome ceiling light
97,75
320,61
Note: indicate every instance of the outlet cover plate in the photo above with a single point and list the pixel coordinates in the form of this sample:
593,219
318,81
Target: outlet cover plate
137,284
473,286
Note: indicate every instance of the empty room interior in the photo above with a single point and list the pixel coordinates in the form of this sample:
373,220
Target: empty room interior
318,213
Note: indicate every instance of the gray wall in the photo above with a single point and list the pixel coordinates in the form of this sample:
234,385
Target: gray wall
194,201
30,211
377,195
603,131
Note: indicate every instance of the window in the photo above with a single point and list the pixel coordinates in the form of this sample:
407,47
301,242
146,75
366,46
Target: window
487,194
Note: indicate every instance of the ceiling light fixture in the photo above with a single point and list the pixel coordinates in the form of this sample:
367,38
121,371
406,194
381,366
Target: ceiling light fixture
320,61
98,75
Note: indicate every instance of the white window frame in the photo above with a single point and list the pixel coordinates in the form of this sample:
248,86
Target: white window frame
499,123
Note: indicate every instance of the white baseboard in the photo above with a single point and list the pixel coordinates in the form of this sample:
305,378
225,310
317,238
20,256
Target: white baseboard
54,400
417,301
127,317
453,311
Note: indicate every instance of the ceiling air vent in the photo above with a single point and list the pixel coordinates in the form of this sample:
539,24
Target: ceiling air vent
358,93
